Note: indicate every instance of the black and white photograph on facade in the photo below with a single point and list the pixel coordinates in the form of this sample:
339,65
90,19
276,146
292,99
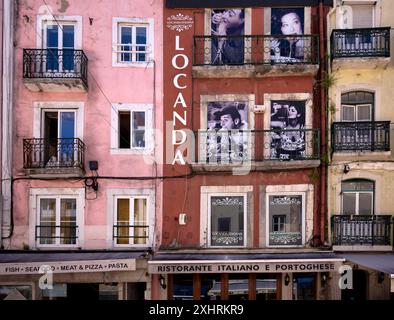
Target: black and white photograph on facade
227,139
288,25
228,28
287,125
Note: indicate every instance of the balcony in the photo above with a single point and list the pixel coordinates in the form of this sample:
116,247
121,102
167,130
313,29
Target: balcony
255,56
125,234
48,157
361,233
361,136
53,70
257,150
367,48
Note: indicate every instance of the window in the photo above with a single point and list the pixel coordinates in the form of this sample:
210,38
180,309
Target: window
131,127
357,106
60,37
279,223
59,131
131,221
286,219
227,220
15,292
57,217
59,40
132,41
358,197
133,44
57,221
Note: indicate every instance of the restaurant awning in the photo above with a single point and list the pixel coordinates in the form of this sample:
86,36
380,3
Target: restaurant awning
383,262
163,263
35,262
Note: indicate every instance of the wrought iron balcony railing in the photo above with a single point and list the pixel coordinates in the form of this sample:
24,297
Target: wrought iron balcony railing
130,234
65,234
366,42
237,146
361,136
361,230
53,153
55,64
255,50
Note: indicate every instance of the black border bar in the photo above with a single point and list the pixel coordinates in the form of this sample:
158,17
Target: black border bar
243,3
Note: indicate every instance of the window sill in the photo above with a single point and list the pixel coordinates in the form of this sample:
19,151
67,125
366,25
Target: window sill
131,151
147,64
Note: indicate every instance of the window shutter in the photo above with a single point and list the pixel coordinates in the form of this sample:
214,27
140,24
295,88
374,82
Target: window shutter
348,113
364,112
344,17
362,15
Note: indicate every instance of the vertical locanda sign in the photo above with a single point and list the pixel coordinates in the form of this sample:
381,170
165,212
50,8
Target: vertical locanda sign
180,62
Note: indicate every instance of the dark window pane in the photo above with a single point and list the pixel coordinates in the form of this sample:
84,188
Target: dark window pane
124,129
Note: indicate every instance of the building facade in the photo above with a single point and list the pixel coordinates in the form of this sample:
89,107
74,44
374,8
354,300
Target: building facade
85,200
244,214
360,176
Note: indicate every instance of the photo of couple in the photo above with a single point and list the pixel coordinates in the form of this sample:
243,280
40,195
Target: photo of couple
287,123
228,30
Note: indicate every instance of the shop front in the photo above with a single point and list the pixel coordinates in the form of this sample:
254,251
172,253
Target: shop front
257,276
74,276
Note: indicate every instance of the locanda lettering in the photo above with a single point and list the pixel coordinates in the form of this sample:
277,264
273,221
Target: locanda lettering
179,61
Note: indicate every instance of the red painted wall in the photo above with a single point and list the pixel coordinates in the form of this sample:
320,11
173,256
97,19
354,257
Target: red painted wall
182,194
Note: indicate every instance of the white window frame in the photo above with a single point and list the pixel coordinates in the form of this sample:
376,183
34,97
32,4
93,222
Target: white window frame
117,22
149,138
357,193
131,218
44,20
205,216
112,196
36,194
38,116
267,227
355,107
244,195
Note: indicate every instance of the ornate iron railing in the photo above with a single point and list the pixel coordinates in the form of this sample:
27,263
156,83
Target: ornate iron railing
361,230
55,63
361,136
264,49
237,146
365,42
53,153
48,234
130,234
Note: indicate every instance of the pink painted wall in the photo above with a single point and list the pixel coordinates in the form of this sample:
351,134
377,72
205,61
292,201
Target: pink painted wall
119,84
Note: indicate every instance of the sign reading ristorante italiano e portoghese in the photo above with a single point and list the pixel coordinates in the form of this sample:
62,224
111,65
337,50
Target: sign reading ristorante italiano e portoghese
244,267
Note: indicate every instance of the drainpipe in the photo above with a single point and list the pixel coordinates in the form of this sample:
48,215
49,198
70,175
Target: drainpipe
6,118
1,118
323,151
